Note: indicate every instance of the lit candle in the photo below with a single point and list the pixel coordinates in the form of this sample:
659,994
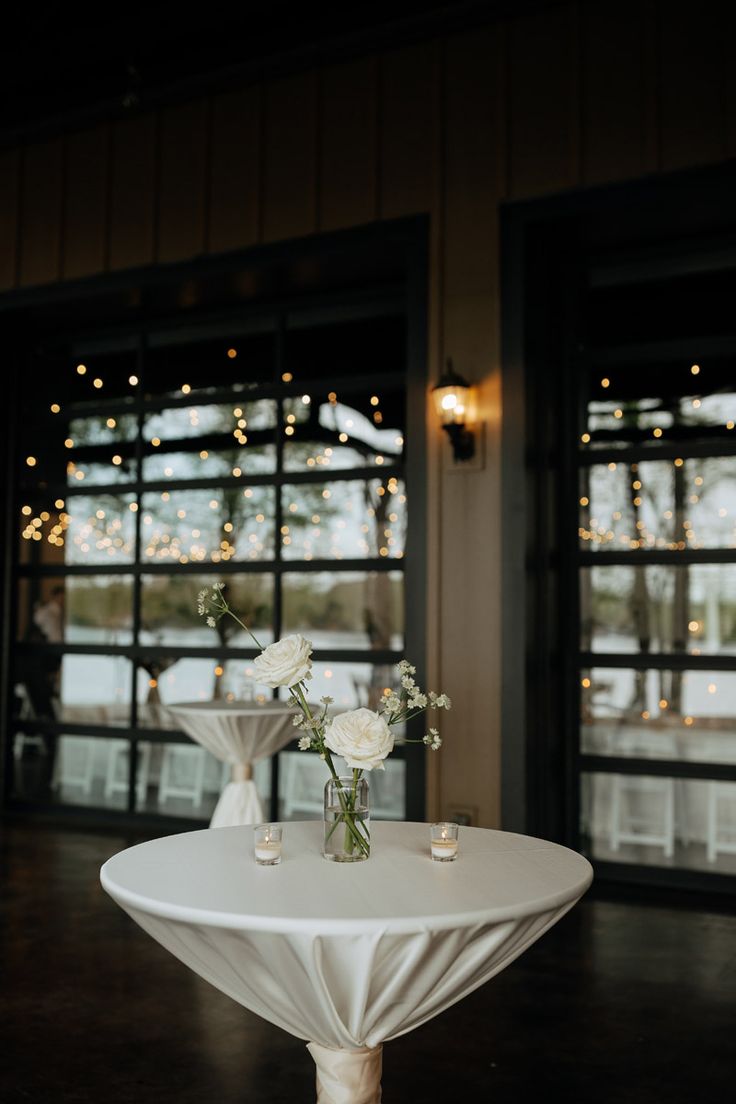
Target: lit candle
443,841
267,844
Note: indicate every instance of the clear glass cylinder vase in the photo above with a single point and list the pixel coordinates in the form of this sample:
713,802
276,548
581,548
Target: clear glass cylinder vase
347,820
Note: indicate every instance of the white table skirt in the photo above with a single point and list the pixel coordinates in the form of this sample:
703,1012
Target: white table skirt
346,956
238,733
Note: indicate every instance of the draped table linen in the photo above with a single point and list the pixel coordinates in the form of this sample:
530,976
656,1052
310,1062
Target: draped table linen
238,733
346,956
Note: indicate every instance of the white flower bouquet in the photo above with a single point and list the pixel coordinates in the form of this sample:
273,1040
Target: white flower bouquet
362,737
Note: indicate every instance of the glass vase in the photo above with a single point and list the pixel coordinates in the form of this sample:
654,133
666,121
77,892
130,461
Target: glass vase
347,820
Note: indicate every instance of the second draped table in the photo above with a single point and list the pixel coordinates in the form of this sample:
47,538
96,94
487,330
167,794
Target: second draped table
238,733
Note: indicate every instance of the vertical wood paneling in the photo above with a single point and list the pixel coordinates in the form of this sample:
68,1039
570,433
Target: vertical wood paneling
348,145
697,49
544,115
615,136
182,193
85,210
289,200
235,169
475,173
9,189
41,207
132,192
407,118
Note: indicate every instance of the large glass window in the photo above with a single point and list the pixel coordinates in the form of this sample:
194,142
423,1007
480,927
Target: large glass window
656,505
267,455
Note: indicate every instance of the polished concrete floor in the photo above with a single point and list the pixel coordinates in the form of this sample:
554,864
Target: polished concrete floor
620,1002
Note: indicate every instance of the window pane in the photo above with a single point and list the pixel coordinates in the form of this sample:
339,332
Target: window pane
185,780
89,609
302,776
231,523
347,349
198,361
101,529
72,770
349,519
350,685
169,610
660,821
345,610
659,504
196,442
86,689
659,608
164,680
659,714
364,429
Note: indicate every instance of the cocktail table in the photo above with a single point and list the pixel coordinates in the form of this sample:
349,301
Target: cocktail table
346,956
238,733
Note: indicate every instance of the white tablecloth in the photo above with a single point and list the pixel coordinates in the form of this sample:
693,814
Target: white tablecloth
239,733
346,956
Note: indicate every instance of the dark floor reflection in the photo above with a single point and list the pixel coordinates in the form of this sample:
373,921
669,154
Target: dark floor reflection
617,1002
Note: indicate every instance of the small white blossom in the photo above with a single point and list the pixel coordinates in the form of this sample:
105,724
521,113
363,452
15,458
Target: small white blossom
297,721
211,622
418,700
327,700
407,682
304,744
217,587
442,701
406,668
436,743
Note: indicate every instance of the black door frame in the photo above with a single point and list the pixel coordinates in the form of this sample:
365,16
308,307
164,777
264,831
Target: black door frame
545,247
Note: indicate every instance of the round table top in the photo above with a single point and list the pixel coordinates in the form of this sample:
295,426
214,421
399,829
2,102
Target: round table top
210,878
245,708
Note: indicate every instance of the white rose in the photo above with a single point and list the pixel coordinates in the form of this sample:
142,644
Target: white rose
362,738
284,663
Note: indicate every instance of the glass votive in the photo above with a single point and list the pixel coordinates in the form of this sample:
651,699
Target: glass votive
443,841
267,844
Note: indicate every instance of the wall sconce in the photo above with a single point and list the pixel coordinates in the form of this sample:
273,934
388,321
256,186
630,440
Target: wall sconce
454,401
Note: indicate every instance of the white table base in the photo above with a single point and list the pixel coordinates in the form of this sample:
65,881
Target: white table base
347,1076
239,803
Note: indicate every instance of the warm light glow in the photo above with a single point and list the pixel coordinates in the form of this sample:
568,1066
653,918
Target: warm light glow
232,353
618,413
59,504
185,389
657,432
26,510
219,671
132,380
585,682
31,461
332,397
688,721
289,430
695,369
306,399
605,383
663,703
449,402
117,459
81,369
133,507
343,437
693,626
97,383
153,683
585,438
679,462
155,441
55,408
696,404
712,688
287,377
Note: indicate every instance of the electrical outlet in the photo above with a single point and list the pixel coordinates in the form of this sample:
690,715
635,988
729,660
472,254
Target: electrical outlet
466,815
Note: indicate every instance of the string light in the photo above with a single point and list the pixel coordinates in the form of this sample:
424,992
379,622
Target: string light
81,369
